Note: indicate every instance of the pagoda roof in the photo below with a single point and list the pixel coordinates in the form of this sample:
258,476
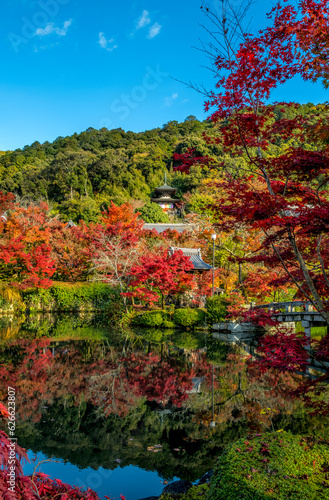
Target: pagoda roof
165,199
165,187
195,258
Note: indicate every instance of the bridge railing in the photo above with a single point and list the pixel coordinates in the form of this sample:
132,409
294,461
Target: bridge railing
287,307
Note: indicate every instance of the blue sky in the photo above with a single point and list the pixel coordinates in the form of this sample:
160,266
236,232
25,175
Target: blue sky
72,64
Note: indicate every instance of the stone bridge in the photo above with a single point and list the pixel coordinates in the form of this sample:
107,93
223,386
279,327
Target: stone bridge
285,312
291,312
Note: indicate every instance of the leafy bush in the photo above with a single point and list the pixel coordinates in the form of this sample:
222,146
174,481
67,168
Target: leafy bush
216,309
71,297
38,299
151,212
150,318
189,317
276,466
168,324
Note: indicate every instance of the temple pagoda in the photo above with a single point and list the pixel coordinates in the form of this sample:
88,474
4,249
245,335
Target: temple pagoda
164,196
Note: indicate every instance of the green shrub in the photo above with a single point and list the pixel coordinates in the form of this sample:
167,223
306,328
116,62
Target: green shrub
168,324
189,317
276,466
38,299
150,318
71,297
152,212
216,309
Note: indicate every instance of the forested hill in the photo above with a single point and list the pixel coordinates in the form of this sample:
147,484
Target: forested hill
79,175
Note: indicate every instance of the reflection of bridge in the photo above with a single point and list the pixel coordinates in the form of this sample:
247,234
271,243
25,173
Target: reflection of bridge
284,312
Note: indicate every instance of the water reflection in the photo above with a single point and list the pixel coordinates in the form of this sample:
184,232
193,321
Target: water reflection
122,397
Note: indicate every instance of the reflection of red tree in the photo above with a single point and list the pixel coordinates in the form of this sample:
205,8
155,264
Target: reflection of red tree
141,375
161,381
40,377
112,383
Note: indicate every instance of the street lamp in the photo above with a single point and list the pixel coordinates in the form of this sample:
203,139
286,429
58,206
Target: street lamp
213,237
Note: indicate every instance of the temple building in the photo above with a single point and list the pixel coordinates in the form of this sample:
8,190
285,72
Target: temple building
164,197
195,257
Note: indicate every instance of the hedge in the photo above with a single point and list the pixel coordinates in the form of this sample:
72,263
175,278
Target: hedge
272,466
150,318
189,317
71,297
160,318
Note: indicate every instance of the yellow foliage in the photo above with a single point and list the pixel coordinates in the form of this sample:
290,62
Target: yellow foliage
10,294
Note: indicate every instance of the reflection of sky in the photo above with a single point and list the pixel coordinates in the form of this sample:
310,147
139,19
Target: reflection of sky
134,483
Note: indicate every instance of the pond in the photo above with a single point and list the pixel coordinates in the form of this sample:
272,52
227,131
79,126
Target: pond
125,411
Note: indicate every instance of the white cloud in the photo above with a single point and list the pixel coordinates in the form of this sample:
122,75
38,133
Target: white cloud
50,28
154,30
106,44
170,100
141,22
144,20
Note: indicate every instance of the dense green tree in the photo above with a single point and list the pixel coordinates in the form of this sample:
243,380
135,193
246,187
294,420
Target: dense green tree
97,166
152,212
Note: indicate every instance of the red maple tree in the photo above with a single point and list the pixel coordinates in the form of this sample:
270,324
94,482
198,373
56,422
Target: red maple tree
159,274
289,203
25,251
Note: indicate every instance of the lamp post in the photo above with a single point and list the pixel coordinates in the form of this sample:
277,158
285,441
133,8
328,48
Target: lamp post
213,423
213,237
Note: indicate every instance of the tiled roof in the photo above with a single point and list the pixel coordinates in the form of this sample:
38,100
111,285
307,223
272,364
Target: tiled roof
165,187
160,227
195,257
165,199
